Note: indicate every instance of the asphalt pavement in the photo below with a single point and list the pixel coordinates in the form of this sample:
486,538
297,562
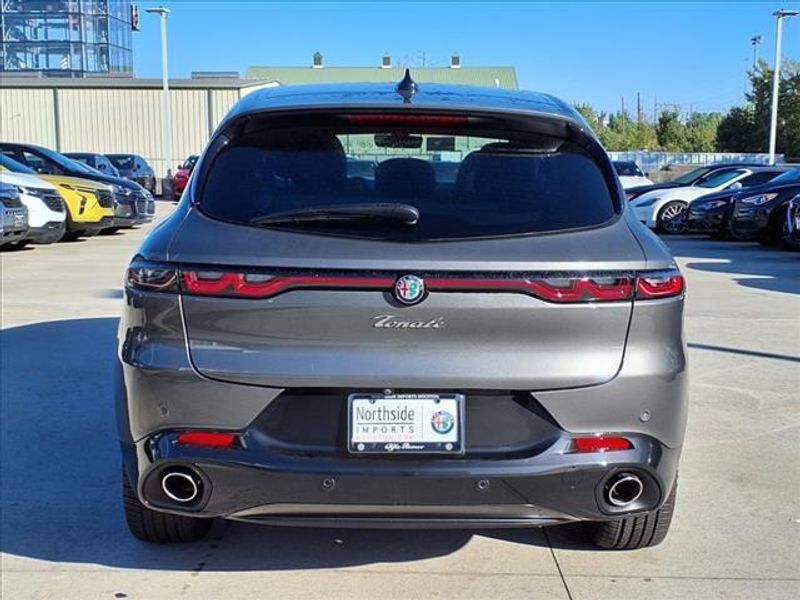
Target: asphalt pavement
736,532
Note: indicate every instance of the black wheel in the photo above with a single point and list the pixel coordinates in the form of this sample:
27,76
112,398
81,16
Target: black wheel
672,217
160,528
632,533
71,236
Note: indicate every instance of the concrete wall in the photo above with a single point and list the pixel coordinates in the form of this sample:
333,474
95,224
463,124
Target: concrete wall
115,119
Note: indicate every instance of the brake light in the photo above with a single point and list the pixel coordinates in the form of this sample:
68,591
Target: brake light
400,119
206,439
600,443
265,286
553,289
152,277
659,284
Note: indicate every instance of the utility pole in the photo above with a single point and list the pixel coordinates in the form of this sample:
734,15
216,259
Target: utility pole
167,149
622,114
638,108
755,41
779,15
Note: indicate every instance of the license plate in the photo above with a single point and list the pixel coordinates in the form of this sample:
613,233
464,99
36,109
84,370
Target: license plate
19,219
406,423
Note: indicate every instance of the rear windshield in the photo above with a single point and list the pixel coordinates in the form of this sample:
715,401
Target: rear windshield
628,169
463,183
122,161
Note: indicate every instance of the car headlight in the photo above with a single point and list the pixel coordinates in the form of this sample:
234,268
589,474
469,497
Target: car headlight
38,192
759,200
118,189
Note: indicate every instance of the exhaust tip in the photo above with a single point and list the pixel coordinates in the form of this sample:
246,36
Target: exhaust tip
180,486
624,489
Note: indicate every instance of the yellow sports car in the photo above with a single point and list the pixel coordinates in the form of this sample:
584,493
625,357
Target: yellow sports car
90,204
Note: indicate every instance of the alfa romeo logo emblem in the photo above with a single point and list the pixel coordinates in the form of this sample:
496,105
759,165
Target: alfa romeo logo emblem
442,422
409,289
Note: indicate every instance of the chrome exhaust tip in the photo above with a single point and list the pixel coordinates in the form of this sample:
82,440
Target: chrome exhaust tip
180,486
624,489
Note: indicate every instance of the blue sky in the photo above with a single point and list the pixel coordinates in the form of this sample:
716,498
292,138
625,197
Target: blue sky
689,53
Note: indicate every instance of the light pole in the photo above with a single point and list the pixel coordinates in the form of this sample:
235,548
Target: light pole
162,12
780,15
756,42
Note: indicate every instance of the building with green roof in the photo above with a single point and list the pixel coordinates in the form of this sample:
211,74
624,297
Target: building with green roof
318,72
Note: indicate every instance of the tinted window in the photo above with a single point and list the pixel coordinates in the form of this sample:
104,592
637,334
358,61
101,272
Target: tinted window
628,169
14,166
792,176
492,183
121,161
691,176
718,178
759,178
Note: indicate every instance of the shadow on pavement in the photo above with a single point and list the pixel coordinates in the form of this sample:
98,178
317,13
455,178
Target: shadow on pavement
757,266
61,475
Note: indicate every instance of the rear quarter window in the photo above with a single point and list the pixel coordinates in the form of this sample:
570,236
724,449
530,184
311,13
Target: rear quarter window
464,183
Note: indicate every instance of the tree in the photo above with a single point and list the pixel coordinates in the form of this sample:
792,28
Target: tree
670,131
746,129
701,132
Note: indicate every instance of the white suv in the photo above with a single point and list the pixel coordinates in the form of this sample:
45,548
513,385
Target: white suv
47,215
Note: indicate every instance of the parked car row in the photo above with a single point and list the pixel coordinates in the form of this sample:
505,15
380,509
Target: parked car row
728,201
63,198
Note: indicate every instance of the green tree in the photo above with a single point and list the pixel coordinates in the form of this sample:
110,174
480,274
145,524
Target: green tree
746,129
701,132
670,131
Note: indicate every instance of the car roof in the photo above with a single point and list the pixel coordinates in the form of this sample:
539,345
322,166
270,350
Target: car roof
385,95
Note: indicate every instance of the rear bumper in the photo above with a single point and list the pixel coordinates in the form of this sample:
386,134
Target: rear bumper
254,485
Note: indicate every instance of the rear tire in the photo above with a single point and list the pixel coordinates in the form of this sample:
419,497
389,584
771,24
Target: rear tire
672,217
160,528
633,533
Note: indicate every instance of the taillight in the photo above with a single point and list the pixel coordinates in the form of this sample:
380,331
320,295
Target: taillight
206,439
153,277
659,284
256,285
600,443
553,289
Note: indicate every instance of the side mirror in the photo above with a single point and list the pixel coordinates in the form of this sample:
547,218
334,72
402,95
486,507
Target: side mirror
647,173
736,186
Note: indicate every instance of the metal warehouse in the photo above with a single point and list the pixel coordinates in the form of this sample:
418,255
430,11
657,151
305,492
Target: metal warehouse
124,115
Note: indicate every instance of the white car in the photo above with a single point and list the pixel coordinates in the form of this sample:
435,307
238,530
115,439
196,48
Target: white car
630,175
666,209
47,214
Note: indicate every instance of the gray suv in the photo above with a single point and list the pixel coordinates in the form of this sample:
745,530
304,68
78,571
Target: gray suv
498,343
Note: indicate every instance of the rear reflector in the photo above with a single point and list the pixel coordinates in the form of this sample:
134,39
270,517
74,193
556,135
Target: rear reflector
659,284
206,439
600,443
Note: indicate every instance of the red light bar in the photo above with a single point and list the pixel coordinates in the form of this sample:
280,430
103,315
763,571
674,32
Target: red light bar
572,289
400,119
659,285
207,439
238,284
600,443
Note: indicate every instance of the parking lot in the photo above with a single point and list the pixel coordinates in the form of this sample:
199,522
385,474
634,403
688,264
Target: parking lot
736,533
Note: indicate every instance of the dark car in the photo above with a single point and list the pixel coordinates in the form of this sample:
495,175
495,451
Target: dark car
98,162
760,214
499,349
711,213
133,204
792,230
135,168
693,177
182,175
